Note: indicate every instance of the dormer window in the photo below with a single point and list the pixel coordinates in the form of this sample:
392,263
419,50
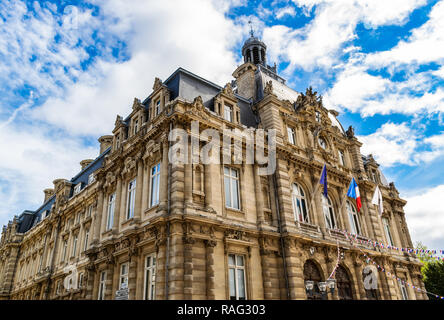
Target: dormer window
157,108
44,214
374,176
91,178
228,113
322,143
341,157
318,116
291,135
136,126
117,141
77,188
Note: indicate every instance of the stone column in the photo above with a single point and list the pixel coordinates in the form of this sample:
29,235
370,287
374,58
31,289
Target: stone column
97,218
188,267
118,205
258,195
90,277
132,277
189,179
145,195
121,214
210,284
163,197
360,292
294,271
139,186
109,281
266,275
208,185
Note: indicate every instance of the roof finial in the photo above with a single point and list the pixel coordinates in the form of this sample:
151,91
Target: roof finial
251,28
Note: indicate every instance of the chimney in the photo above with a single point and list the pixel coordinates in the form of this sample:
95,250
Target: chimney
86,162
105,143
48,194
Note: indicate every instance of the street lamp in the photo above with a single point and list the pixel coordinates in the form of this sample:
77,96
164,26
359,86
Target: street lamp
309,285
331,283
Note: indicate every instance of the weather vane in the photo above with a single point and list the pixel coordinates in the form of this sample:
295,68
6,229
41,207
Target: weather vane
251,28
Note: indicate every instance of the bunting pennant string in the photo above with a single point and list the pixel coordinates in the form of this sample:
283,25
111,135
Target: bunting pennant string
375,244
388,273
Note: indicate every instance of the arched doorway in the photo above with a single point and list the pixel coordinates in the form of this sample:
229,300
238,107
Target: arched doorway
312,273
344,284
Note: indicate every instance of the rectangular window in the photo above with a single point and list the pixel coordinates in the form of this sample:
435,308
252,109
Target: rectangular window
131,199
77,188
89,212
228,113
65,247
404,292
91,178
123,283
74,246
157,110
231,181
236,273
388,234
117,141
102,286
291,135
150,277
80,281
78,217
155,185
136,126
85,245
341,158
111,206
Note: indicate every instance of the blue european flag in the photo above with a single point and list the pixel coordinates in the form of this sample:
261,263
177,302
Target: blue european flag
324,180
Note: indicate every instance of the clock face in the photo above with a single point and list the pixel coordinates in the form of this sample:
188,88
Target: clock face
322,143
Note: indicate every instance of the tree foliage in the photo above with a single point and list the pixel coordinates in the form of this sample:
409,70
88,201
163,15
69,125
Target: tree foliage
432,272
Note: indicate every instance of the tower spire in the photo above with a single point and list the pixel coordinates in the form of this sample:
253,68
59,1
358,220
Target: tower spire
251,28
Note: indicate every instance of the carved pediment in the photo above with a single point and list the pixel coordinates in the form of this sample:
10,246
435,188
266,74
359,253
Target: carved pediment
157,84
137,105
236,235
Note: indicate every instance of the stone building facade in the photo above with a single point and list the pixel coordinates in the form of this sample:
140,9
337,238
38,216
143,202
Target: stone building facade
131,219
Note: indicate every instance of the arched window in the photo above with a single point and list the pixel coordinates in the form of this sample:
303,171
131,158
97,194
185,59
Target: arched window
344,284
353,218
299,204
329,214
312,273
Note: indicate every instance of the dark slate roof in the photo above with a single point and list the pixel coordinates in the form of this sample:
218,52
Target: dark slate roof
187,85
29,219
25,221
82,176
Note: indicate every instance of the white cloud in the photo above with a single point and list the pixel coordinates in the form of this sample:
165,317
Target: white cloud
390,144
290,11
165,35
319,43
426,44
425,217
46,142
394,144
31,158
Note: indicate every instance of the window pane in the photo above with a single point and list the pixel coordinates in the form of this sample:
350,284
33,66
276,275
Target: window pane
240,261
232,283
231,260
227,192
241,284
235,190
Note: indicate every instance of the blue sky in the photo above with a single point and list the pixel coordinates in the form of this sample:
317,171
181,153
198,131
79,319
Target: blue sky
68,67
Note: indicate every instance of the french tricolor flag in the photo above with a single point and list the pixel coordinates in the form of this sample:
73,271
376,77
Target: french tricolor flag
353,192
